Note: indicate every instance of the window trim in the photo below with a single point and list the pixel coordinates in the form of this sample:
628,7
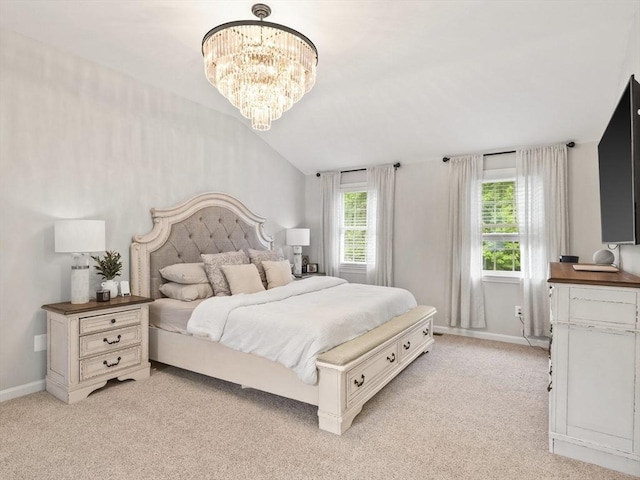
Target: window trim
350,267
500,276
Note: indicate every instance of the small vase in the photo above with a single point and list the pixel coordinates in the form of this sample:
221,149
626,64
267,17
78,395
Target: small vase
112,286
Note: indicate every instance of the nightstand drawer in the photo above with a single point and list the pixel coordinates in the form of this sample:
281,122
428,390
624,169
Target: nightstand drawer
109,363
109,340
98,323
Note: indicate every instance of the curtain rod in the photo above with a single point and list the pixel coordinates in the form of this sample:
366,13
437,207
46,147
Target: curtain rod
446,159
395,166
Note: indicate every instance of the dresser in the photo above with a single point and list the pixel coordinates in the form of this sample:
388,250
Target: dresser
594,402
91,343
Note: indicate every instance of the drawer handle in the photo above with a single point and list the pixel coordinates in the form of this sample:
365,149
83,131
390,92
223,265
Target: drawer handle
357,383
392,358
109,365
113,320
115,341
425,332
407,345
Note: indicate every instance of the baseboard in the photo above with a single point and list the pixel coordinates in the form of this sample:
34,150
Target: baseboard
463,332
21,390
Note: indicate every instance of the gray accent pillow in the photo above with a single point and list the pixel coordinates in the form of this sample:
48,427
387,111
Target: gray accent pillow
186,293
212,265
185,273
259,256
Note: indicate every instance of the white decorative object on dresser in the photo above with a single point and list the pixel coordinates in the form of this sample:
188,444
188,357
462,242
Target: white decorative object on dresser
594,403
94,342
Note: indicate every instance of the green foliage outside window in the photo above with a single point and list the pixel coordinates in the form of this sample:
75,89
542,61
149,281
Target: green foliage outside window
354,240
500,246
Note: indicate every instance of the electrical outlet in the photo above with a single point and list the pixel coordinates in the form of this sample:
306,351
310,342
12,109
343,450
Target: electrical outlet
40,342
518,311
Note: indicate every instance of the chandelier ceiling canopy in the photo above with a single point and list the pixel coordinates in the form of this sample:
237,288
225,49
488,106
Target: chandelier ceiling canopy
262,68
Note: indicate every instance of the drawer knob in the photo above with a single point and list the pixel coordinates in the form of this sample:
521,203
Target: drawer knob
112,364
357,383
115,341
425,332
392,358
113,320
407,345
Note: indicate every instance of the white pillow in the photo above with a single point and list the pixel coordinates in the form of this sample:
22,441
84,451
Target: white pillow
243,278
278,273
186,293
187,273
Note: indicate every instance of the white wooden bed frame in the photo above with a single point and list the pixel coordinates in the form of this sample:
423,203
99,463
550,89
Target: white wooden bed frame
348,375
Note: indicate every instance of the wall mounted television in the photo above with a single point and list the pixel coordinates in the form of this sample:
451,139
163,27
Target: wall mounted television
619,168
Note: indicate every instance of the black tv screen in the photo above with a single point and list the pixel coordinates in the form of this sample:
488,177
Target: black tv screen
619,167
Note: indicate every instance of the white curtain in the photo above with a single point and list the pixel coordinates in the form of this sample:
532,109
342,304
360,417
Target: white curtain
541,186
380,200
330,227
465,304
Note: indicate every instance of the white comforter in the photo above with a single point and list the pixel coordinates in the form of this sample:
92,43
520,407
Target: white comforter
294,324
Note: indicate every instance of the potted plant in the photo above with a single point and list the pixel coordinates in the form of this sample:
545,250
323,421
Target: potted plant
109,268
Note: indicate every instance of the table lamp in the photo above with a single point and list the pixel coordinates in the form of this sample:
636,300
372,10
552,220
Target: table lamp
79,237
297,237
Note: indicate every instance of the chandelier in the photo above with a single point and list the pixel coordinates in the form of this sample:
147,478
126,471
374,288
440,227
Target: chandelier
262,68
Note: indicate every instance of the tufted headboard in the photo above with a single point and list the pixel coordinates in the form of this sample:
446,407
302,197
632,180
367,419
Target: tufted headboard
208,223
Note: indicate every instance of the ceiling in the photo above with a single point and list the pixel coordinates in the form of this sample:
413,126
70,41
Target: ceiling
397,80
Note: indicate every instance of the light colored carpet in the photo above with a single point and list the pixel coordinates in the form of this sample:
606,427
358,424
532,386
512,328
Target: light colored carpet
471,409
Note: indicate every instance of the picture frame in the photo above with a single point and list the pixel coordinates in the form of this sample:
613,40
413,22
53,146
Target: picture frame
305,262
312,268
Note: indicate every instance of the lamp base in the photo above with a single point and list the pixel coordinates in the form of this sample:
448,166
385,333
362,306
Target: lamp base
80,290
297,261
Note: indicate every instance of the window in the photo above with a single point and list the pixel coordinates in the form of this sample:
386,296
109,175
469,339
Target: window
353,238
500,240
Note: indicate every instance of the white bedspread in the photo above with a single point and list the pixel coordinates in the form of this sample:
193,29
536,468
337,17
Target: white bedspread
294,324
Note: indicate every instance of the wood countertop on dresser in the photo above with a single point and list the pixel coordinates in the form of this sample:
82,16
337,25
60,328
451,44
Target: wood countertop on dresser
564,273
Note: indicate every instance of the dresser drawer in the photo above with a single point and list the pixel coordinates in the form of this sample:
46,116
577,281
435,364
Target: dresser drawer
600,305
415,339
110,363
109,340
361,377
98,323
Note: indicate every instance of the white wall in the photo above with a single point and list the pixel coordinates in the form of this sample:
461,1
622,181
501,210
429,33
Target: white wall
78,140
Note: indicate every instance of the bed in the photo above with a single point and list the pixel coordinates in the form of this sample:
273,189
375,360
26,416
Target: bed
348,374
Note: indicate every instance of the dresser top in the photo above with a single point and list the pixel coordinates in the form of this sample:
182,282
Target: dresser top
68,308
564,273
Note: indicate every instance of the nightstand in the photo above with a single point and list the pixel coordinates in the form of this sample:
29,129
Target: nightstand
90,343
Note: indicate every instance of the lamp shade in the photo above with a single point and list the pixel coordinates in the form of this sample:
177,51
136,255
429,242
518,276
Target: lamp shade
79,236
298,236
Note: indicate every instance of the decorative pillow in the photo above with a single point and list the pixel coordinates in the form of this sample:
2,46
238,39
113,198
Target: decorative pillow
212,264
259,256
186,293
243,278
185,273
278,273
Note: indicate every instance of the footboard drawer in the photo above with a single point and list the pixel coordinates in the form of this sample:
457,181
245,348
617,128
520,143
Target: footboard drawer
415,339
361,377
352,373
